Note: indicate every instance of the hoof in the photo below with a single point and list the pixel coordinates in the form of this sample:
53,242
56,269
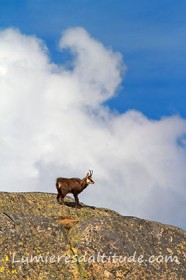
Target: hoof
78,206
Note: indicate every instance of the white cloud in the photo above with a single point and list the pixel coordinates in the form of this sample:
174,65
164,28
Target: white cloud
53,123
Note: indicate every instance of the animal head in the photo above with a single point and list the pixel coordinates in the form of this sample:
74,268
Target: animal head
89,177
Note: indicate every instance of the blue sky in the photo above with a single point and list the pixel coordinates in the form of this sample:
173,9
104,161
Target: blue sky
151,36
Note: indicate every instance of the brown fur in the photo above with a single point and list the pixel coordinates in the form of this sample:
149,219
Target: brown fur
72,185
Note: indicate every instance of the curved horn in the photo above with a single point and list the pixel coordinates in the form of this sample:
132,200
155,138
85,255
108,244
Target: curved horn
91,172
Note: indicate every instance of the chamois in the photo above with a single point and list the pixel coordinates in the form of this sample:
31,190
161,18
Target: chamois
72,185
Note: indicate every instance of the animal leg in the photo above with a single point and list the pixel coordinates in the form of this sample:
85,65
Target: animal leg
62,200
77,200
60,197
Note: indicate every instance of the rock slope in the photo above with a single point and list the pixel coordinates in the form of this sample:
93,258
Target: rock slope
40,239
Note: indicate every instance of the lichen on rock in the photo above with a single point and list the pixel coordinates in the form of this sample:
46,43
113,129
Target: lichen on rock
40,239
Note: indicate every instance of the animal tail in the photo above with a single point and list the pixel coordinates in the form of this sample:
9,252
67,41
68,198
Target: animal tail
57,184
